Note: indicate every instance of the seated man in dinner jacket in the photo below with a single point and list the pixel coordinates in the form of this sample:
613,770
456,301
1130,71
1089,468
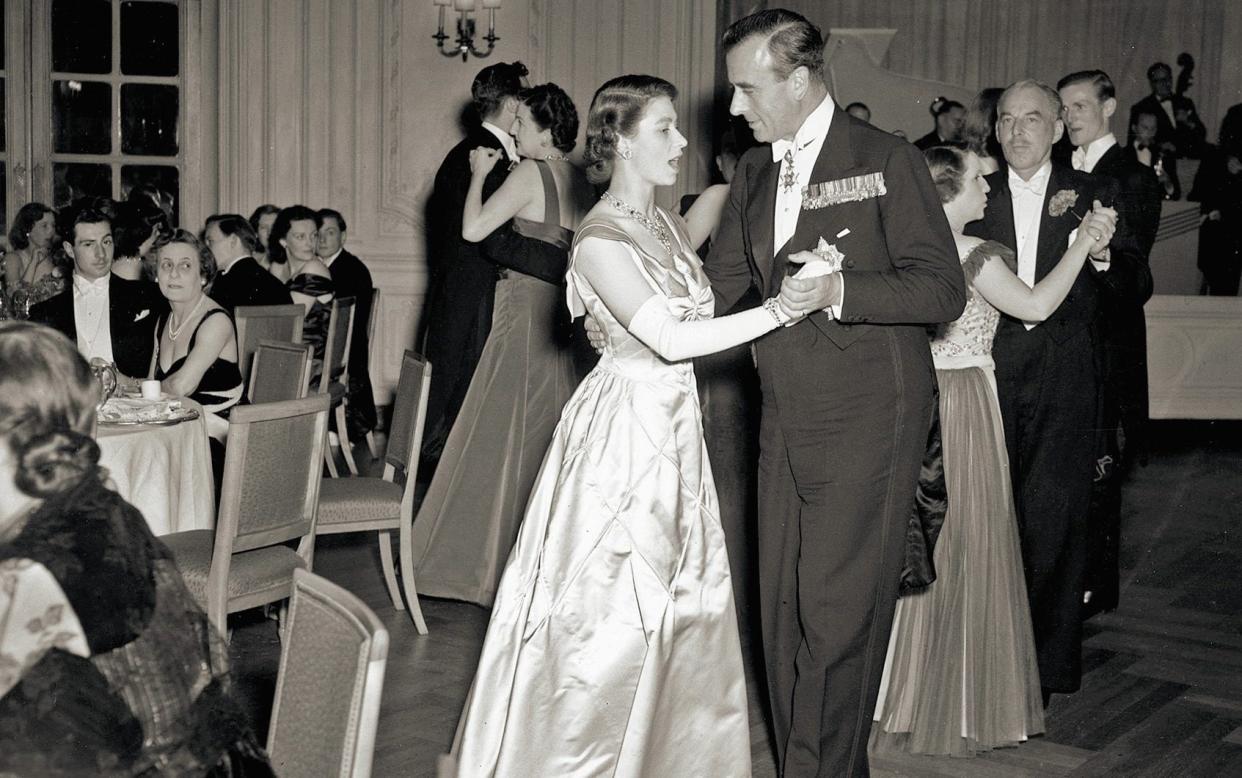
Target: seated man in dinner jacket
107,316
352,279
241,280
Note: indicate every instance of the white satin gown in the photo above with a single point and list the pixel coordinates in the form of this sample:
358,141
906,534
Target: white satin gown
613,646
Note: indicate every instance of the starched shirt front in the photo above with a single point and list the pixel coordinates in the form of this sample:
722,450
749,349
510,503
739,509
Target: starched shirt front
91,304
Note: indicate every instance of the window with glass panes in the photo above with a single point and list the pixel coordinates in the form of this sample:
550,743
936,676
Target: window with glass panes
116,86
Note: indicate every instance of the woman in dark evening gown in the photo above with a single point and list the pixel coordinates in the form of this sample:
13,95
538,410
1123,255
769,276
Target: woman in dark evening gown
292,242
109,666
195,342
474,505
961,675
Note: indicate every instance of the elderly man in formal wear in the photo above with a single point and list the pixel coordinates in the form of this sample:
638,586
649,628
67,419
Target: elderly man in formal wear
463,283
848,392
241,280
1089,100
352,279
109,317
1046,373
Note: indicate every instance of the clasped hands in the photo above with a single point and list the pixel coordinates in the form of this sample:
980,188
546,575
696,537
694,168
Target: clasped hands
1098,225
815,287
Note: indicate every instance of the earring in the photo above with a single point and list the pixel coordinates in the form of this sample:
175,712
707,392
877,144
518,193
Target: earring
624,153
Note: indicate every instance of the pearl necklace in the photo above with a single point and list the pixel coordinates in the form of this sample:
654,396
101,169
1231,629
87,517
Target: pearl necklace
176,329
657,230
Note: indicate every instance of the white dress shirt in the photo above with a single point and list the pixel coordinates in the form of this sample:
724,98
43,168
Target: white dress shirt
90,316
1028,211
506,140
1087,157
805,147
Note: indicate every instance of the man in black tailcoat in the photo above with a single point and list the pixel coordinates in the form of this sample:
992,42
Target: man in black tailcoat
1046,373
1090,101
107,316
240,279
462,282
847,393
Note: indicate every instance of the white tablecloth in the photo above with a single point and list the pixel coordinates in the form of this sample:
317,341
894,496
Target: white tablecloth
165,472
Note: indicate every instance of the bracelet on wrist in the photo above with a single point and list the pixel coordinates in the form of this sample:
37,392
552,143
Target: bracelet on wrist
774,308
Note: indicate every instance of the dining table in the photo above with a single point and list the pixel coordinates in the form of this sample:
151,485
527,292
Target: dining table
162,467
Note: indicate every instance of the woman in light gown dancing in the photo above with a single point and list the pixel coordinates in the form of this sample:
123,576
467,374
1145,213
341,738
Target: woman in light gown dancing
961,675
613,645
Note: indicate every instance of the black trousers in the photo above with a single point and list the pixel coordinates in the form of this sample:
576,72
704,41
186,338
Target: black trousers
1047,393
839,461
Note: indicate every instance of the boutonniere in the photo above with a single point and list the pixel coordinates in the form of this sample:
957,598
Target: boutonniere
142,315
1061,202
843,190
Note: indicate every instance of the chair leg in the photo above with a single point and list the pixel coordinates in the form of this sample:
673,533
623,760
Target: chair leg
390,573
371,445
342,432
407,577
330,461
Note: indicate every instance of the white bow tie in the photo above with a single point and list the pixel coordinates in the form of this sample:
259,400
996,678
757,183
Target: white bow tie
1079,158
1036,186
85,287
780,147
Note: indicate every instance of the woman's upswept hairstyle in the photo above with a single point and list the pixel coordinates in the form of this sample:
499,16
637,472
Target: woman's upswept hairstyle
616,110
793,41
553,110
947,166
47,408
280,228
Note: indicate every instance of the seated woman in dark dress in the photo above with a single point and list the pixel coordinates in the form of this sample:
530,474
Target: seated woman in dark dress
467,524
294,238
196,344
110,667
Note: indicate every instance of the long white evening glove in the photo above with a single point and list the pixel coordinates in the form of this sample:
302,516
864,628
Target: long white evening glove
675,340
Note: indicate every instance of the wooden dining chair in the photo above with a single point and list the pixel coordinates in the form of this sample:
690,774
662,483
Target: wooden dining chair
386,504
333,377
333,656
281,371
264,322
375,301
272,471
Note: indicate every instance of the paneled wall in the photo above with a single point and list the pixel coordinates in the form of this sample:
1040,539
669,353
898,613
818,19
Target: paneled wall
350,105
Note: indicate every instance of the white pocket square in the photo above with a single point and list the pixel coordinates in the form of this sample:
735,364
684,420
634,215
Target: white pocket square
142,314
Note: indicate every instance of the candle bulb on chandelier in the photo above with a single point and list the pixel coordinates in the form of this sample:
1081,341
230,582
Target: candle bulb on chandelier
464,5
441,2
492,4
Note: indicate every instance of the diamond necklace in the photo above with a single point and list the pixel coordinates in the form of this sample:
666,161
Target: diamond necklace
657,230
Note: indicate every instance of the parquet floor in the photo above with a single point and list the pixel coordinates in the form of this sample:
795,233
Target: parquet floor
1161,696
